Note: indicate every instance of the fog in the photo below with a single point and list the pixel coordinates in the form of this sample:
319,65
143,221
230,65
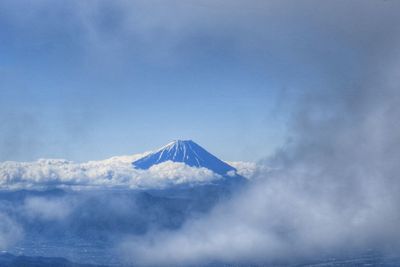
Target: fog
333,189
334,185
330,191
10,232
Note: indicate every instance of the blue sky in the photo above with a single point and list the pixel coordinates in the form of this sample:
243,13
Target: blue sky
92,79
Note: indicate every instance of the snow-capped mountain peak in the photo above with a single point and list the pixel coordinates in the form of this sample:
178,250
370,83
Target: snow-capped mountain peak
185,151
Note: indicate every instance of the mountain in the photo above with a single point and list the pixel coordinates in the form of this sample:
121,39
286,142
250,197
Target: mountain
185,151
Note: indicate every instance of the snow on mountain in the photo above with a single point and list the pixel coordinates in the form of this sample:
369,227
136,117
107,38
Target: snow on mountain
188,152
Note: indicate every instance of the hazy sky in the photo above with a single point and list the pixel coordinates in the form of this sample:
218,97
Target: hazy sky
92,79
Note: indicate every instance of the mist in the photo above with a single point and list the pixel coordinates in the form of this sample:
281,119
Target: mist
10,231
331,190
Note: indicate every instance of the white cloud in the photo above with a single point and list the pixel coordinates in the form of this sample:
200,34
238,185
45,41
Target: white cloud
248,169
113,172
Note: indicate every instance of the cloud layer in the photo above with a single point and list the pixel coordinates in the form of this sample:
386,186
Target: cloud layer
114,172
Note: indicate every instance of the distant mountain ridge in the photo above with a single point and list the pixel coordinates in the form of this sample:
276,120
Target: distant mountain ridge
188,152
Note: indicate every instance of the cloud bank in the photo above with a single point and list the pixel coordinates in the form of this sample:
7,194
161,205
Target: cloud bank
114,172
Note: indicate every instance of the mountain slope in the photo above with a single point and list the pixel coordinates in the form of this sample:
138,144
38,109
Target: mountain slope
185,151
